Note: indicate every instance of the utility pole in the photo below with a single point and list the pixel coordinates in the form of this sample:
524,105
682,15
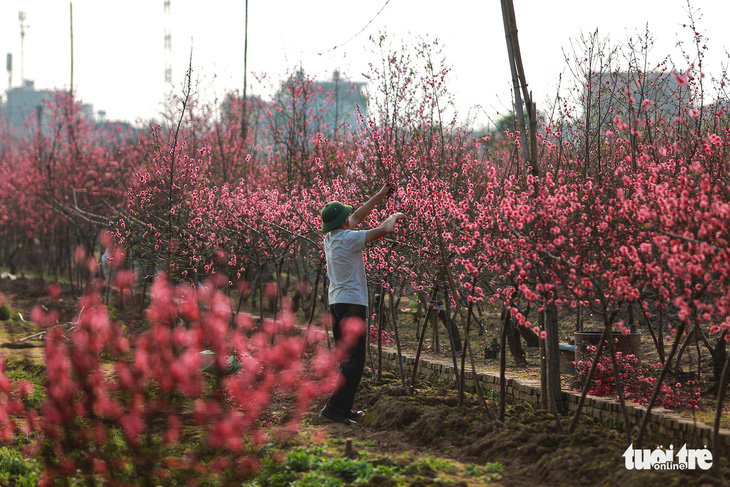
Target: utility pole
244,109
71,23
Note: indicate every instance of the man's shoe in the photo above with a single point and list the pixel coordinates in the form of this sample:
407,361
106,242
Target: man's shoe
356,415
328,414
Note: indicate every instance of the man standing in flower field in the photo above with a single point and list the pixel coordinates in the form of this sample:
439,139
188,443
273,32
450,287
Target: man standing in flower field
348,293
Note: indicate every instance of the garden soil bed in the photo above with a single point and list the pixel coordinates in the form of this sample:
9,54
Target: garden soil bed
529,445
429,424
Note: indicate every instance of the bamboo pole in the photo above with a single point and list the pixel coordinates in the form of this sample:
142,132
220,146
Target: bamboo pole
244,109
515,80
509,8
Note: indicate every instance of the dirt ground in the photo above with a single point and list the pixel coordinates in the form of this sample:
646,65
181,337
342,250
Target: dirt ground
430,423
528,444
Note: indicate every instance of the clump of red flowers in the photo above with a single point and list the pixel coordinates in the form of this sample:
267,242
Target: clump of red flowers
198,369
638,382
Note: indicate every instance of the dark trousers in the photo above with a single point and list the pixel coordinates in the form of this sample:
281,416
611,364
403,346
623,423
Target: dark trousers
353,365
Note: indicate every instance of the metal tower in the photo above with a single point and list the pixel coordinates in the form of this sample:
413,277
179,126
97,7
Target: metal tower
168,43
9,65
22,17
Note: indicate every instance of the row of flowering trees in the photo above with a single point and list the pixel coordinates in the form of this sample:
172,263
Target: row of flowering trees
627,222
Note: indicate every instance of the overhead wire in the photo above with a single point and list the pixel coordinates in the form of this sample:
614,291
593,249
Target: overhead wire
359,32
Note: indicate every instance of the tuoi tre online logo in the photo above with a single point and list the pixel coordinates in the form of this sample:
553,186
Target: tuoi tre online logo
658,459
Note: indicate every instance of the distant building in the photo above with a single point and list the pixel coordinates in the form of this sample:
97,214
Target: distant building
343,98
24,101
328,106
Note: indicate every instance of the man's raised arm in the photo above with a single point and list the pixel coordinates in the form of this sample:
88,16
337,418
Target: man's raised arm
359,215
384,228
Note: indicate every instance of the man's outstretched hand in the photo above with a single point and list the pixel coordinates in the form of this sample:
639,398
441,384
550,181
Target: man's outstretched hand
386,227
389,223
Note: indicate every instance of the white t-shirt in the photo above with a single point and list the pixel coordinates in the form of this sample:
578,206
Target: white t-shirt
346,266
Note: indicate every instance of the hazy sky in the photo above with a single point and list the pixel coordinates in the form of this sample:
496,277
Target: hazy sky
119,55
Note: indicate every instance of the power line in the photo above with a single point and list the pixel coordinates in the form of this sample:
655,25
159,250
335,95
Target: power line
361,30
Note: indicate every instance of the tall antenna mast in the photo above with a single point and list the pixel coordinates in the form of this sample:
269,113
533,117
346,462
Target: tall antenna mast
21,17
9,64
168,43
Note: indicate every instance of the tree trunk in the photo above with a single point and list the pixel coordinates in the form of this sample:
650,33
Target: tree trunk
552,348
512,333
506,318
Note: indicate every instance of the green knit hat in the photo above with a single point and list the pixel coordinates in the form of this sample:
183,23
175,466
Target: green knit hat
333,214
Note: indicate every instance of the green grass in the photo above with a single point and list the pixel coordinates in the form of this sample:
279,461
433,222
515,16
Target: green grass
318,466
37,379
431,465
16,469
313,467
